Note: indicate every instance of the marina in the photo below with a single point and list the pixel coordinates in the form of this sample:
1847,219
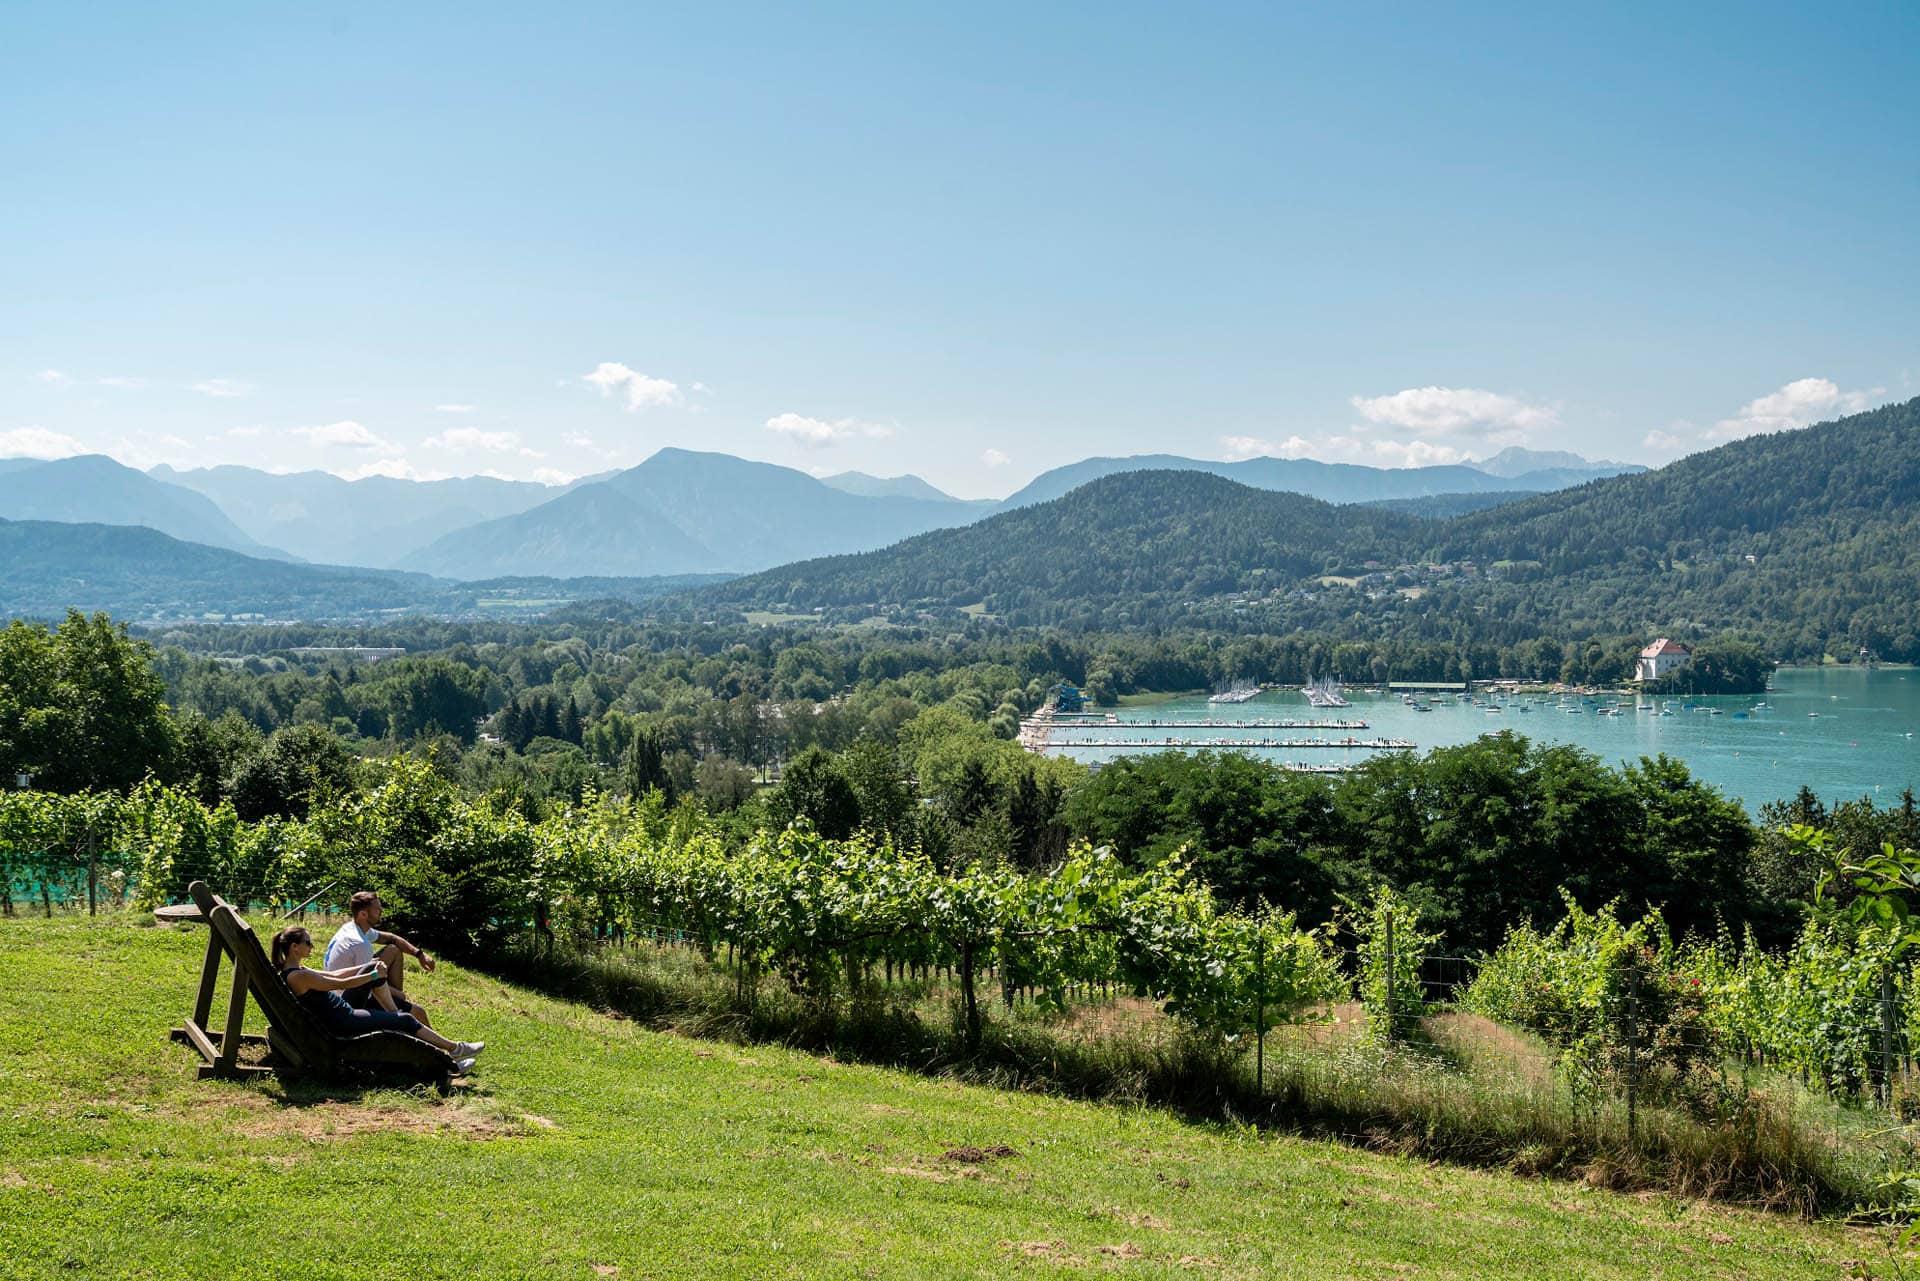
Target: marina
1845,732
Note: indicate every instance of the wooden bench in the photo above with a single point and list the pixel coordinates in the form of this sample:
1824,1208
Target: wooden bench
296,1039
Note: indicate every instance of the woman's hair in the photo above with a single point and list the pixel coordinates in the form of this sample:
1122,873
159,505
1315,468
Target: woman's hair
283,943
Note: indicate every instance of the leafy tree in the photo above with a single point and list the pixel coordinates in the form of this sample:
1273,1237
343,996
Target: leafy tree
300,763
813,787
81,707
644,767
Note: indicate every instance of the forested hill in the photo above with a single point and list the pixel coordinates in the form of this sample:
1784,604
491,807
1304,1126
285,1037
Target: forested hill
1132,546
139,574
1808,541
1837,478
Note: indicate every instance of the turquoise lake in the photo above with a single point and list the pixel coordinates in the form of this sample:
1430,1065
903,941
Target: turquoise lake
1845,732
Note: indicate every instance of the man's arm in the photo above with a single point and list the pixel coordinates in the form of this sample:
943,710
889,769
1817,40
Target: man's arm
417,953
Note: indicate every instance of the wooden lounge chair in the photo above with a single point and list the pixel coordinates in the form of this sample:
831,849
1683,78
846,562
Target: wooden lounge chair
297,1040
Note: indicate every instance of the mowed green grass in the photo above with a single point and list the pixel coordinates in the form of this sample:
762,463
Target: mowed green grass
590,1147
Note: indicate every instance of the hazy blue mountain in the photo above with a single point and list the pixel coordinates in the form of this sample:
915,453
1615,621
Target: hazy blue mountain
1329,482
683,511
375,521
93,487
140,574
1515,461
908,486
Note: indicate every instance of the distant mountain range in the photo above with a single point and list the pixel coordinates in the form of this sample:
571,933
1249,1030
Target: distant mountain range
1797,535
1789,536
909,486
93,487
1335,482
687,512
376,521
679,512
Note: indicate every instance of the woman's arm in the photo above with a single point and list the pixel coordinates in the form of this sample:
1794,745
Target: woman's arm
305,980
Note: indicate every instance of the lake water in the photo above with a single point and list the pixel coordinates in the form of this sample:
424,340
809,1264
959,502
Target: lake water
1862,739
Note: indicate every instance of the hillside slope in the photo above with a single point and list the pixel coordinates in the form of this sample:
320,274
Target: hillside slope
588,1146
47,567
1129,546
132,572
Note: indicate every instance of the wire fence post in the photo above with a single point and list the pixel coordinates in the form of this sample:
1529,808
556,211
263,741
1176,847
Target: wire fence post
1633,1053
1392,1028
1886,1037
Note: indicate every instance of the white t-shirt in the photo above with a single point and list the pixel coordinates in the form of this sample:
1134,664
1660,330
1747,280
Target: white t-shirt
351,947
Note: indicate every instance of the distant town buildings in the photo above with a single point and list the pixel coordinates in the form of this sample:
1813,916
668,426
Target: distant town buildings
352,653
1661,659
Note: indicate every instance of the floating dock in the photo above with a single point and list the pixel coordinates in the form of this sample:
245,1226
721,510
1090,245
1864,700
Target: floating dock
1108,721
1356,744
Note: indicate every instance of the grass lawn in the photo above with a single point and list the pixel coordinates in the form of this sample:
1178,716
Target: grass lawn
588,1146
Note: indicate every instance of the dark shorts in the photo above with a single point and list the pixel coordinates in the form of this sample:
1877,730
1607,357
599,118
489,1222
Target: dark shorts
361,998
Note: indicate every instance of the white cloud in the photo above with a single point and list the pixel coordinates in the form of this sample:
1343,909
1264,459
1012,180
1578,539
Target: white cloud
1416,453
702,388
1664,441
994,458
552,476
579,440
1467,410
642,391
1798,404
53,376
817,433
143,449
346,435
1359,446
122,381
1241,448
395,468
453,409
38,442
244,431
223,388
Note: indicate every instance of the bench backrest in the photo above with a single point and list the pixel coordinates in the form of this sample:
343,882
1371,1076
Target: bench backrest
268,987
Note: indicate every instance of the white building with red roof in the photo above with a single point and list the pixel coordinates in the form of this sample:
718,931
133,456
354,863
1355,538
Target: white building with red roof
1662,658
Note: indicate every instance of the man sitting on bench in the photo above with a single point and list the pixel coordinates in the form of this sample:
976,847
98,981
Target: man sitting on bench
358,943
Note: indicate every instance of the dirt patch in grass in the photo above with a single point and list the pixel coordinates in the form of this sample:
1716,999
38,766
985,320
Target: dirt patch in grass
1055,1251
332,1119
971,1155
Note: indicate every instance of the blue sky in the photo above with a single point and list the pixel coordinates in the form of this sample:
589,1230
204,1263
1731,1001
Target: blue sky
967,241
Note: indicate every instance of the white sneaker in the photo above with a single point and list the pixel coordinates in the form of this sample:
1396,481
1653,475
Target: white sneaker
462,1066
468,1049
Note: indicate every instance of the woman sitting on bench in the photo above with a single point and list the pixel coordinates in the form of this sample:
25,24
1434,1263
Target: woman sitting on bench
319,993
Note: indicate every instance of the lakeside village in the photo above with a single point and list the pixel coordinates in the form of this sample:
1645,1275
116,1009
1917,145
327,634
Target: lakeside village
1066,719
